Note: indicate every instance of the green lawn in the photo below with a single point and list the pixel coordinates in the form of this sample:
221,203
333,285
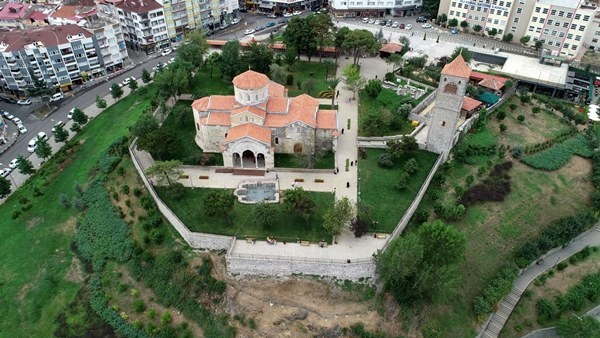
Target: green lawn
327,161
181,126
202,84
35,249
289,227
303,71
328,107
378,116
377,187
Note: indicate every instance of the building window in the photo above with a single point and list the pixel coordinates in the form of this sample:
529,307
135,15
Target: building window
586,18
531,28
516,20
574,47
534,19
542,20
553,12
513,29
577,16
561,13
277,140
550,22
545,11
569,15
519,10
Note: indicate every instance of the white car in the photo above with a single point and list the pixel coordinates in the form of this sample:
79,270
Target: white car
296,13
371,21
13,164
248,31
24,102
32,145
5,172
166,51
235,21
395,24
126,81
56,97
426,25
159,66
71,112
272,16
287,15
377,22
17,121
171,60
22,129
58,124
408,27
365,20
8,115
42,136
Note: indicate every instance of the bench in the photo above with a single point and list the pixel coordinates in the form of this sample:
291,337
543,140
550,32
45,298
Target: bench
300,180
203,177
381,236
319,180
323,244
251,240
304,243
181,177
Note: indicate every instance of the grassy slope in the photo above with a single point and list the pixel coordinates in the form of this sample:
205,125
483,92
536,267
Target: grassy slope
35,253
302,71
287,228
391,100
377,187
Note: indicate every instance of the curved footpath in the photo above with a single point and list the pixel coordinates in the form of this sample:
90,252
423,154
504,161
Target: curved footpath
550,332
551,259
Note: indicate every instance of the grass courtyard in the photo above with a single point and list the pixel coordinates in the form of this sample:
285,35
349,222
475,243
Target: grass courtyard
304,71
288,227
377,187
379,117
36,263
495,230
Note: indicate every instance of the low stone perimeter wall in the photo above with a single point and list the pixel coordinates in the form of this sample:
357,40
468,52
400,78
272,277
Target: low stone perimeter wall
247,266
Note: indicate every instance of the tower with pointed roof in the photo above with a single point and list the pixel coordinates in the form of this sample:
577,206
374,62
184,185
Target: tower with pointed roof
444,116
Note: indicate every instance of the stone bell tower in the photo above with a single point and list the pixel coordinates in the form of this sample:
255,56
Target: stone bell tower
444,116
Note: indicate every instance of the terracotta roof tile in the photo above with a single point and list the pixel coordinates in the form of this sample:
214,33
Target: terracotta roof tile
249,130
220,102
491,83
391,48
326,119
218,119
47,35
478,76
470,104
201,104
458,67
250,80
276,90
251,109
138,6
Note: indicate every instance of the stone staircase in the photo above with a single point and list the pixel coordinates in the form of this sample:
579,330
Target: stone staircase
501,315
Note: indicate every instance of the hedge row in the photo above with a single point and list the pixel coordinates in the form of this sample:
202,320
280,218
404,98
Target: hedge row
558,155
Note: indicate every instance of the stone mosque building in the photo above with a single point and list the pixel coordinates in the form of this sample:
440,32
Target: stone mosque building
249,127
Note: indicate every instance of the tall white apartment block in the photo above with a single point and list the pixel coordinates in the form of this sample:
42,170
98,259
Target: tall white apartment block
144,24
374,8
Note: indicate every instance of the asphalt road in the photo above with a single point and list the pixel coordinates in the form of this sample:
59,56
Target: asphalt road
83,99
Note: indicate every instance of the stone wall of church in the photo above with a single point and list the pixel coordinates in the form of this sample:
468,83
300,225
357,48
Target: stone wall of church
212,138
289,136
324,139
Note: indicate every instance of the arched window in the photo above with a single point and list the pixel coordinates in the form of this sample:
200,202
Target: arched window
450,88
246,118
247,97
277,140
256,97
225,135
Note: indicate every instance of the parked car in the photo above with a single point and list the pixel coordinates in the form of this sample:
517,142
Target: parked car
22,128
24,102
17,121
243,10
284,21
56,97
287,15
454,31
389,24
402,26
421,19
365,20
126,81
59,123
32,145
395,24
235,21
383,22
272,16
371,21
408,27
426,25
71,112
166,51
8,99
13,164
248,31
259,28
42,136
5,172
296,13
159,66
8,115
377,22
270,24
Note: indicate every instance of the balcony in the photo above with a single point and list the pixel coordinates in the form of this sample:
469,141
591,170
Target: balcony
21,83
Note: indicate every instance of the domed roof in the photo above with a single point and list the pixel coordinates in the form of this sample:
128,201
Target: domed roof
250,80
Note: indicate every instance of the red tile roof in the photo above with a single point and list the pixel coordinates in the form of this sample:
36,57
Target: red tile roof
48,35
477,76
458,67
217,119
326,119
276,90
138,6
491,84
13,11
251,109
220,102
201,104
391,48
470,104
250,80
249,130
277,104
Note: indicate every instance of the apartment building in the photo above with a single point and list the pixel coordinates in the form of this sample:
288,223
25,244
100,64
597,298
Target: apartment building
61,55
144,24
111,43
185,15
374,8
562,25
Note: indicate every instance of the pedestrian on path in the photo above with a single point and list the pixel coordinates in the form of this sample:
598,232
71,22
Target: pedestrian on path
293,184
342,131
337,95
347,184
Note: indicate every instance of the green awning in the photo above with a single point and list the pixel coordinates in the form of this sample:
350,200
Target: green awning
489,98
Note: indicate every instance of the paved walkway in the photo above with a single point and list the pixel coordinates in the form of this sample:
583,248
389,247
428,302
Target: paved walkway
550,260
550,332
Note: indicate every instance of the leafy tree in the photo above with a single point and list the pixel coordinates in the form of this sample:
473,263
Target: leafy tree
219,202
431,6
24,165
43,149
407,145
524,39
328,65
417,62
298,34
340,37
298,200
165,171
173,81
578,327
289,57
39,88
191,53
464,24
477,28
452,23
411,166
133,85
503,127
354,82
373,88
472,91
116,91
538,44
466,54
396,61
80,117
60,134
524,98
5,188
100,102
507,37
332,85
213,60
501,115
146,77
492,32
198,39
161,143
277,73
441,19
144,125
402,182
359,42
321,28
443,244
336,218
266,214
231,63
521,118
259,57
